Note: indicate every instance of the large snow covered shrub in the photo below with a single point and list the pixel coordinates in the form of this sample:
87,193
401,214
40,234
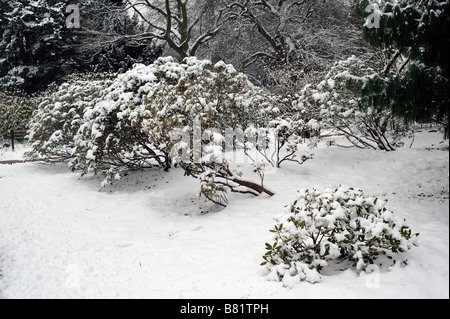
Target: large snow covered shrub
191,113
330,224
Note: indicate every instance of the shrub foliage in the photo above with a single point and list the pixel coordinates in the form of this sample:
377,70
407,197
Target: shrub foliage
16,108
330,224
60,114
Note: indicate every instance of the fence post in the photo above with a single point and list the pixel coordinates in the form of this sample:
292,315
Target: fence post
12,140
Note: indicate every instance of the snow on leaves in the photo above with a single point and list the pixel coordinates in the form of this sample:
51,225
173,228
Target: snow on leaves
60,114
327,224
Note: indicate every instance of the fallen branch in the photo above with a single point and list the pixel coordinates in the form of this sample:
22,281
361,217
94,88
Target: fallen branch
31,160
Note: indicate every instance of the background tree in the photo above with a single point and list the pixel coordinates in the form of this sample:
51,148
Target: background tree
283,45
103,38
16,108
183,25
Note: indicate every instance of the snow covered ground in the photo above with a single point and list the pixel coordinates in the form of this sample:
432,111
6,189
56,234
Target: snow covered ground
149,236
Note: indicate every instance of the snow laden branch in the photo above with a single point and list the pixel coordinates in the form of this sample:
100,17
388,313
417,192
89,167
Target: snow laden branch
279,32
302,33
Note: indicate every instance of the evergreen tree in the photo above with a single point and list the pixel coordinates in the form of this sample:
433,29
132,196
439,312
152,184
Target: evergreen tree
35,47
415,82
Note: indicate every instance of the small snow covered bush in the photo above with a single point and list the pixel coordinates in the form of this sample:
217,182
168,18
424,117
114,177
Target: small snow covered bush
56,121
329,224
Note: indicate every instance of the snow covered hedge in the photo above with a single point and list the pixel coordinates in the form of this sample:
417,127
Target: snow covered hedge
330,224
151,116
16,108
137,121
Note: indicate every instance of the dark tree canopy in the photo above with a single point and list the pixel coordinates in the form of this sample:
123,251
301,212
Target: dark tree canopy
37,48
418,88
105,38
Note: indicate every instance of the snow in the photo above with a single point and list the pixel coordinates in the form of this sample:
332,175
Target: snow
6,153
149,236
